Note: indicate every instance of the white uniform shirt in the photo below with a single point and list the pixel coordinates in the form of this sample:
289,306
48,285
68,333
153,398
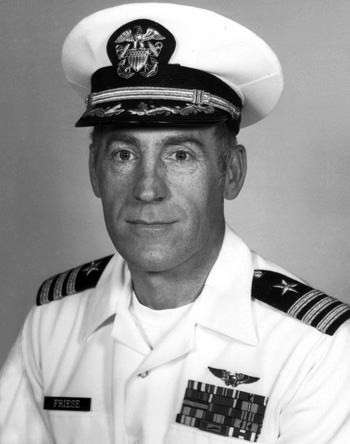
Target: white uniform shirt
155,324
88,346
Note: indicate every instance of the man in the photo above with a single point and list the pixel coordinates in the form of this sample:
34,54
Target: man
184,335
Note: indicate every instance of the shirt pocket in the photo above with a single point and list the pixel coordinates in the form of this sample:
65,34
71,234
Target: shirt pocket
81,427
179,433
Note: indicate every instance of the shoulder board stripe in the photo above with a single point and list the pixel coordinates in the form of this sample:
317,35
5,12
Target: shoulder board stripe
59,285
44,290
339,314
302,302
72,281
314,311
313,307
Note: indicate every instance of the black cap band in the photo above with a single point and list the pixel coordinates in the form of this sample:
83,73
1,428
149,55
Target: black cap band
177,96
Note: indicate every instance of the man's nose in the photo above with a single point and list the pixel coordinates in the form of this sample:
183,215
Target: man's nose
150,183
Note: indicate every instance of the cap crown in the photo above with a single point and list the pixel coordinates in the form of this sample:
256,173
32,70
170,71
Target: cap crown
205,41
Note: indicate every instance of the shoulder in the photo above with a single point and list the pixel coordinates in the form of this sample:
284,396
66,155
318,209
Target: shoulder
72,281
298,300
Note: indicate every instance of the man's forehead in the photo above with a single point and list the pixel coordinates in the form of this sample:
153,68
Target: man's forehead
200,132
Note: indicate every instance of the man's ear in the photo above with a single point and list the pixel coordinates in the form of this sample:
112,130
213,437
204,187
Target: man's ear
236,172
93,169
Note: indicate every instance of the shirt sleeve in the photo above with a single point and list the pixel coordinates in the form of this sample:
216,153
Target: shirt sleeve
21,420
320,409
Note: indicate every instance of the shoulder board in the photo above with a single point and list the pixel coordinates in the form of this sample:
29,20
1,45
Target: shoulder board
300,301
72,281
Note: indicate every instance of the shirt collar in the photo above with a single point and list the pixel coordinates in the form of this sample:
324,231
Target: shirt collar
113,288
223,306
225,303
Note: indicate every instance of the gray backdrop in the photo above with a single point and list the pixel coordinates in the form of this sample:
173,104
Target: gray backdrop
294,208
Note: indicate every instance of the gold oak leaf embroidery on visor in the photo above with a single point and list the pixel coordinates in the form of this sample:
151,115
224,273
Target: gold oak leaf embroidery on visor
144,110
194,101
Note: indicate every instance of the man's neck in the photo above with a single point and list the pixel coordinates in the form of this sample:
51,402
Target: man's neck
176,287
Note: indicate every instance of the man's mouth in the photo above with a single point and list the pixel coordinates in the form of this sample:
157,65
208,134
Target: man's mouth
150,222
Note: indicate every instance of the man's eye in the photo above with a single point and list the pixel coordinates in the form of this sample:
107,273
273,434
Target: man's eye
181,155
124,155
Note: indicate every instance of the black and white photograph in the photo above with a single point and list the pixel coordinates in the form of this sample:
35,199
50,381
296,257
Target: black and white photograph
175,209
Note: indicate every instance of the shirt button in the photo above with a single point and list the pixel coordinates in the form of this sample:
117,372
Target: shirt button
143,375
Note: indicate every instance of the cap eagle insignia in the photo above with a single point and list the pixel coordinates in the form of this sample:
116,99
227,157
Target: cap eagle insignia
141,56
233,379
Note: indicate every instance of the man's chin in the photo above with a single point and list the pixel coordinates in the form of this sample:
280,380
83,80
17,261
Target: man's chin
151,263
152,256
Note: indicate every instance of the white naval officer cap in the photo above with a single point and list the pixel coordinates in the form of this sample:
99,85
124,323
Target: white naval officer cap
155,63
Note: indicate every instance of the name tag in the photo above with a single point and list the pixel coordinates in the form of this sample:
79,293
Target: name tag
58,403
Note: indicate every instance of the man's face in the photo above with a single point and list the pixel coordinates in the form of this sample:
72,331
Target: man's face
161,194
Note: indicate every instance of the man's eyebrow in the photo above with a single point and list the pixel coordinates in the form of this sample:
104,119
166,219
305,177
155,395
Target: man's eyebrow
121,137
167,141
182,139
